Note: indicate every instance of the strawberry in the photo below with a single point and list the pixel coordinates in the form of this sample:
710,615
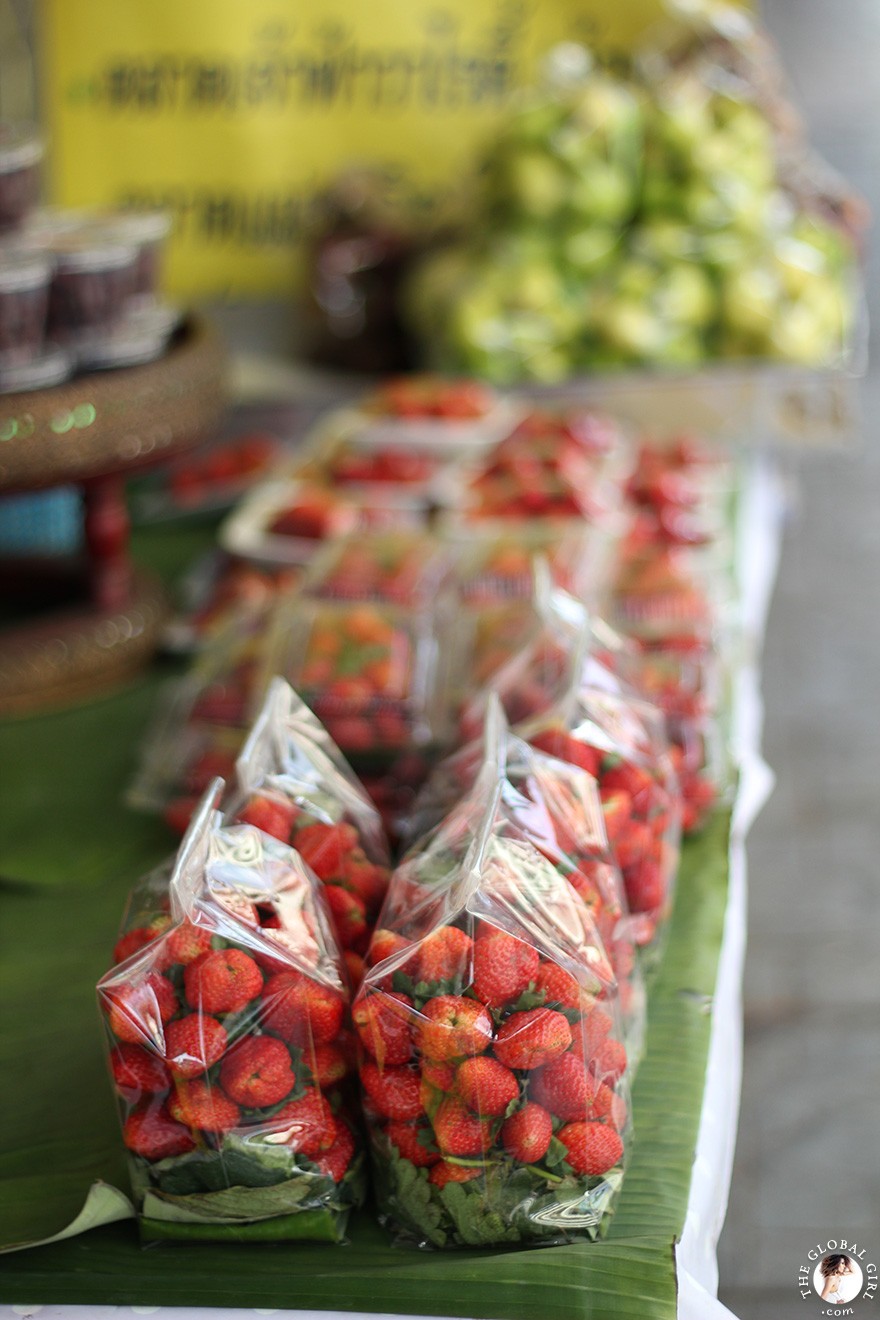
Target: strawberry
526,1134
564,1087
354,966
272,815
198,1104
257,1072
503,967
405,1136
486,1086
306,1125
193,1044
645,886
608,1105
222,981
632,847
184,944
453,1027
383,944
444,1173
138,1010
593,1148
326,847
334,1161
349,917
617,811
439,1075
135,940
367,880
445,955
459,1133
153,1134
300,1010
328,1064
383,1024
593,1029
559,986
560,744
609,1061
394,1092
138,1072
532,1039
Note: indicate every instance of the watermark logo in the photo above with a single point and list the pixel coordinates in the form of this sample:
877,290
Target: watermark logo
838,1276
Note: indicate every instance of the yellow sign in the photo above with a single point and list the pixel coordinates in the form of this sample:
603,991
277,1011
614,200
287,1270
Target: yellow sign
235,113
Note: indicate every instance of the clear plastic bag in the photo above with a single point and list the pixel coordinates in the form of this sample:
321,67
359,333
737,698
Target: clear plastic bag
229,1044
393,568
494,1073
293,783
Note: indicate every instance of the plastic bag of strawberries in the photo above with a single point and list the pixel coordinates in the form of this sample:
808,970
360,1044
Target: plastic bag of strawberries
227,1021
554,805
576,709
494,1074
293,783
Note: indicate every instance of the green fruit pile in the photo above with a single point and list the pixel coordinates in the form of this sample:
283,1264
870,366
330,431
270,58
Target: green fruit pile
626,220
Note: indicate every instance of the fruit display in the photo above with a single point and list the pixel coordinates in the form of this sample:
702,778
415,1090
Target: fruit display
211,479
641,217
292,783
369,672
218,590
496,568
494,1073
227,1017
415,398
397,568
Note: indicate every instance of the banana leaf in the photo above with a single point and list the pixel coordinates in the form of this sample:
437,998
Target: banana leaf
68,854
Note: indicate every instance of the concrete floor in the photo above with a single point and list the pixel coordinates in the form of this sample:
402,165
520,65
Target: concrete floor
808,1156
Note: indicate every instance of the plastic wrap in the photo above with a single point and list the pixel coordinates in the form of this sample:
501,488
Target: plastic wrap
293,783
396,568
371,673
226,1023
494,1072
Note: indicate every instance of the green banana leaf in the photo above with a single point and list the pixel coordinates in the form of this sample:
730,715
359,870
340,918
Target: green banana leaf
68,854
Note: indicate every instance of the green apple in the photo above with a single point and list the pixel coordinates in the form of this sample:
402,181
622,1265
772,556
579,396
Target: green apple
750,299
534,184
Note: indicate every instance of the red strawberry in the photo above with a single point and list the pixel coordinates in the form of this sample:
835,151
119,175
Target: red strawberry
593,1148
405,1136
383,1024
272,815
459,1133
439,1075
134,940
153,1134
138,1072
559,986
138,1010
326,847
301,1011
633,846
193,1044
383,944
355,966
444,1173
257,1072
367,880
564,1087
222,981
593,1029
526,1134
453,1027
328,1064
349,917
532,1039
617,811
559,743
178,813
334,1161
198,1104
184,944
306,1125
645,886
609,1061
503,967
486,1086
610,1106
393,1092
445,954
